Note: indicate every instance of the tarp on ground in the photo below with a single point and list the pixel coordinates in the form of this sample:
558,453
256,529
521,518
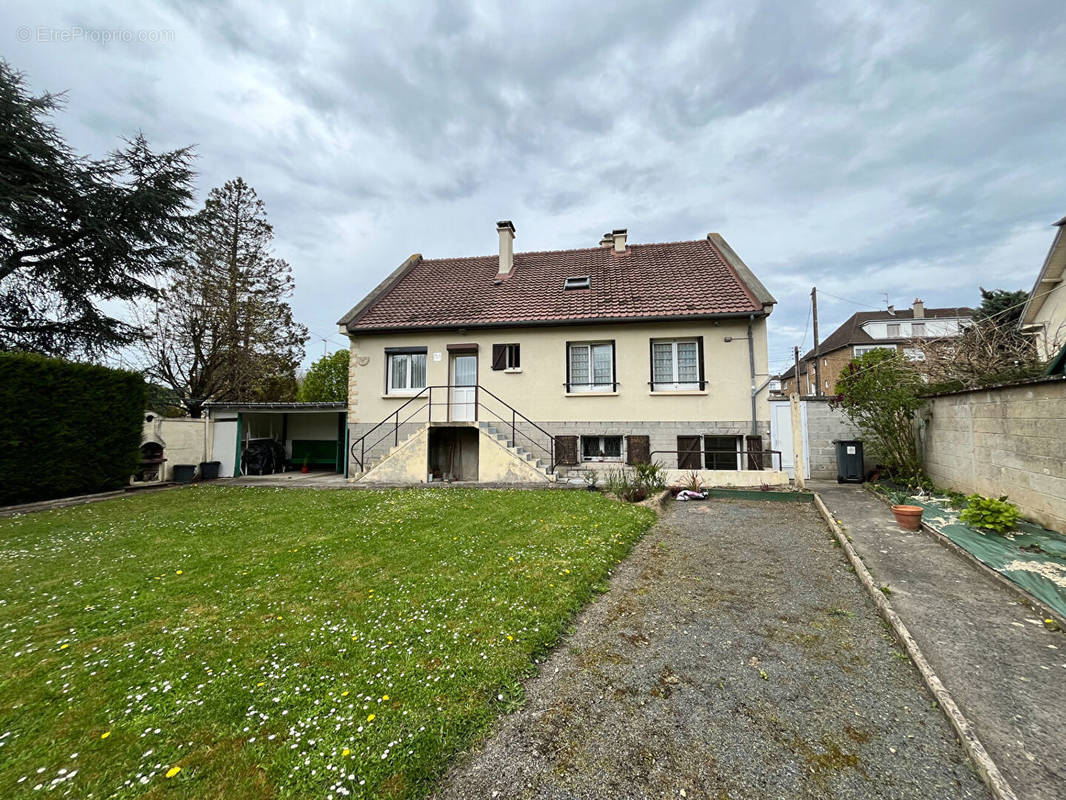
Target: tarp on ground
1031,556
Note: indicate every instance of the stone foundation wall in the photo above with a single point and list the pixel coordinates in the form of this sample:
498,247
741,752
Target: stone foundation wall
1009,440
662,436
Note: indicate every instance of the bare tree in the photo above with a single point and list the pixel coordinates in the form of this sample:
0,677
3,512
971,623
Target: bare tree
223,329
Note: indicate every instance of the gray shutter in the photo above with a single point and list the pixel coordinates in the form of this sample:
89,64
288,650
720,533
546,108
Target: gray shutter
638,449
566,450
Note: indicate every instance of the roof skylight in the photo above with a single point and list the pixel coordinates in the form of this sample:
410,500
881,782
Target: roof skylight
576,282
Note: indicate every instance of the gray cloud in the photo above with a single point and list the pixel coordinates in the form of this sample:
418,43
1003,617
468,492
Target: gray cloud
885,149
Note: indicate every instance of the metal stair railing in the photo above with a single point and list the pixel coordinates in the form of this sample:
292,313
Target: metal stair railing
360,447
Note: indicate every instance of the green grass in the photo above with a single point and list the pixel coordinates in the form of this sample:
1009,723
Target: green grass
281,643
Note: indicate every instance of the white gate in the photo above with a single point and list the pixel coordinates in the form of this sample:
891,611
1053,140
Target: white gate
781,435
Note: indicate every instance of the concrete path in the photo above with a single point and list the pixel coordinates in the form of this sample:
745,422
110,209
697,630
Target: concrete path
1004,669
736,655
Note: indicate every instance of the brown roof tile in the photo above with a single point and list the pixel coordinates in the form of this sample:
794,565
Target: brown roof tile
675,279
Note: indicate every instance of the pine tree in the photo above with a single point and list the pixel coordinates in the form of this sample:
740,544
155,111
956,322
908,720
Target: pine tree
76,231
224,329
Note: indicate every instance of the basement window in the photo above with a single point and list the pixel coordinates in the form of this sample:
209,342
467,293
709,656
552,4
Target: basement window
601,448
576,282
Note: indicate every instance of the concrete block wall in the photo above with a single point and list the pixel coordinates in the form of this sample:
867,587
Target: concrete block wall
1009,440
824,425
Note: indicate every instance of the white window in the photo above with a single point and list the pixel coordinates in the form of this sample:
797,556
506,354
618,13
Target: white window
893,329
406,372
863,349
591,367
913,354
601,448
917,329
675,365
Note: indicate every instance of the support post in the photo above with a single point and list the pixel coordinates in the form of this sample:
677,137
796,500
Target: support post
797,439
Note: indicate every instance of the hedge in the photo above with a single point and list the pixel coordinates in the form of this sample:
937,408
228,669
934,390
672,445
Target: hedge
66,429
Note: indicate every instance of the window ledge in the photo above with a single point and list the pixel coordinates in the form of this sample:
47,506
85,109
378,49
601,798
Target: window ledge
399,396
590,394
513,371
677,392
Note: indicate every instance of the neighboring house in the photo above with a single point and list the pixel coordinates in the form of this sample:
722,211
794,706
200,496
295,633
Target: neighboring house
870,330
1044,315
525,365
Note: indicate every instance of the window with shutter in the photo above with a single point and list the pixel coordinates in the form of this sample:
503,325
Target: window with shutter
505,356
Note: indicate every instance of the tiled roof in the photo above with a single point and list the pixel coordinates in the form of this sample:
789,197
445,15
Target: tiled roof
676,279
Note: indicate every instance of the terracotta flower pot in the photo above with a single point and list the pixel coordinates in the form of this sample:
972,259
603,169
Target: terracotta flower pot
908,517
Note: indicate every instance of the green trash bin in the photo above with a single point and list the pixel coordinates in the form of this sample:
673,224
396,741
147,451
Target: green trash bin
184,473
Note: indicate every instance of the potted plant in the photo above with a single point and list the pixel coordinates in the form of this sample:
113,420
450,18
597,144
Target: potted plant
908,516
305,469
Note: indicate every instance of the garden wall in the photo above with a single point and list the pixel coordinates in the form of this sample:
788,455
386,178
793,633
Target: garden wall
1007,440
66,429
824,425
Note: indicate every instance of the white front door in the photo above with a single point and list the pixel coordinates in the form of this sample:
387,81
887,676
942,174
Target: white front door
463,400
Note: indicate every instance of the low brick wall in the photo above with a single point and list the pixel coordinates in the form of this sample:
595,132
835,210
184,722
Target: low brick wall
1008,440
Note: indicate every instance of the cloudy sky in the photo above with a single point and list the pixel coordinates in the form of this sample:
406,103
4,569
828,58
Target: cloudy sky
878,150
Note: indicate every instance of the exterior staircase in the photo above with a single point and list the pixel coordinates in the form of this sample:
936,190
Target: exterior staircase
389,467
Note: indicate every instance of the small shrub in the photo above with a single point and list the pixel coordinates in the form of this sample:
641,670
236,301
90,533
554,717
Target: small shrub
617,482
695,482
636,484
989,513
899,498
650,477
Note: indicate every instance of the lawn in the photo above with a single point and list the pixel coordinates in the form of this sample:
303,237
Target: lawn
250,643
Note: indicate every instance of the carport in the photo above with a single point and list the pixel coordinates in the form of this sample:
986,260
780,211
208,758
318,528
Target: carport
311,434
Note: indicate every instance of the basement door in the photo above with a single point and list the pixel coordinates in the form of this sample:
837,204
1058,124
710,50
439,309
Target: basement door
463,399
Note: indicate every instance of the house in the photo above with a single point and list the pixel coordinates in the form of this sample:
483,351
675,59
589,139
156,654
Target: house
870,330
527,366
1044,315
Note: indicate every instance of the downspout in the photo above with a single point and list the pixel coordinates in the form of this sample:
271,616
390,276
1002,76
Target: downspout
751,366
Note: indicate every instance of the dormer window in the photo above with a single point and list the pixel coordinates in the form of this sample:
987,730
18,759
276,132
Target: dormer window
576,282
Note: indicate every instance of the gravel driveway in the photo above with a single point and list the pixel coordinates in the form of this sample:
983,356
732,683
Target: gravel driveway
735,656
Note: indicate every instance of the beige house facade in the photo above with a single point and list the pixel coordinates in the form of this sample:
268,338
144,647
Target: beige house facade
1044,316
563,361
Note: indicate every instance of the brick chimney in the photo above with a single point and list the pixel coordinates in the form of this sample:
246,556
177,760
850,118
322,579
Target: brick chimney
506,230
919,309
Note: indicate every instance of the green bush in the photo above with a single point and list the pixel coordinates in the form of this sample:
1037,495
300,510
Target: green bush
66,428
989,513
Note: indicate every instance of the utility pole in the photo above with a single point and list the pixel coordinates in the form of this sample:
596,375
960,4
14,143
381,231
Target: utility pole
817,361
796,355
